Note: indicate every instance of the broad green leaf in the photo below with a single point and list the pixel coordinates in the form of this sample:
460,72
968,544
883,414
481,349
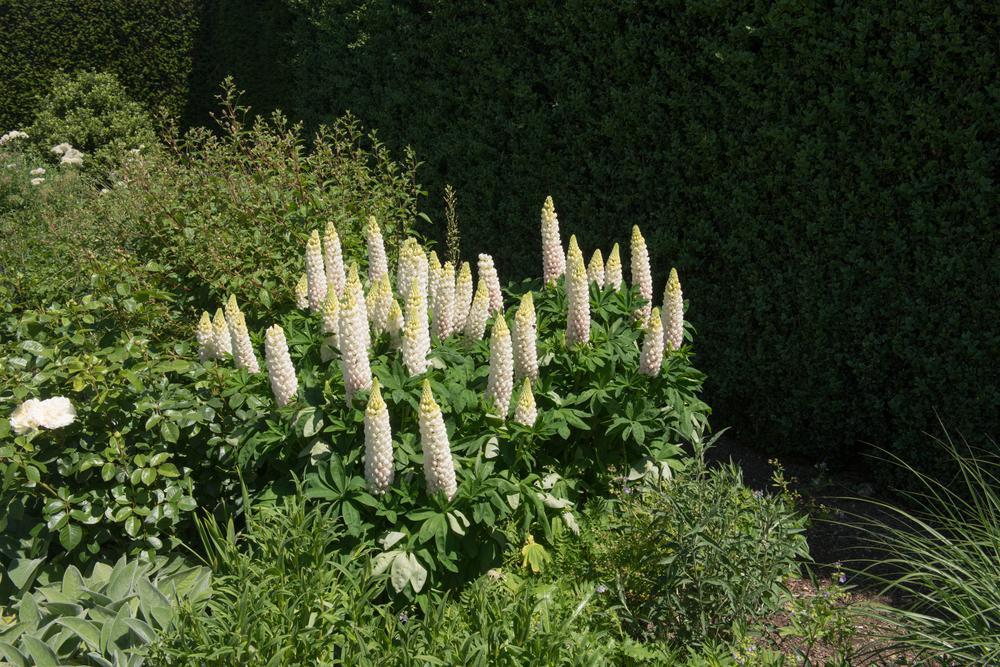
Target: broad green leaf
86,630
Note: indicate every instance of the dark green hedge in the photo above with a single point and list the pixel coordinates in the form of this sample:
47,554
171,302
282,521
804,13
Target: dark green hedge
146,43
823,174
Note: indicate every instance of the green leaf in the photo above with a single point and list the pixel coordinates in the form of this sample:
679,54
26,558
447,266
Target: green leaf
70,536
108,471
12,655
40,652
169,431
84,629
23,571
132,525
148,476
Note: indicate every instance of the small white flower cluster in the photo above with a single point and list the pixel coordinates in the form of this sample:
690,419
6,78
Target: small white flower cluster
68,155
13,135
34,414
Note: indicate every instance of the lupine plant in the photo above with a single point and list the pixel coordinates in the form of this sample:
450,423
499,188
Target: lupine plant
424,445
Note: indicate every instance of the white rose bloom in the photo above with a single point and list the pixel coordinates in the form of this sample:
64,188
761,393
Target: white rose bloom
316,282
553,260
439,467
500,384
51,413
378,443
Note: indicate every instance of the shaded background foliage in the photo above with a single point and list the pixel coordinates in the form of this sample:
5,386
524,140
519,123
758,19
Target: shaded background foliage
822,174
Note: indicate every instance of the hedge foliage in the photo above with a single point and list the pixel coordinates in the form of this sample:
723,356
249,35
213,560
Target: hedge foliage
821,173
146,43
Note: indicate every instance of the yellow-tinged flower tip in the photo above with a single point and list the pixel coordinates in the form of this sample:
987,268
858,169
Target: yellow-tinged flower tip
352,273
375,402
636,234
372,226
427,402
231,306
526,309
500,327
314,239
673,282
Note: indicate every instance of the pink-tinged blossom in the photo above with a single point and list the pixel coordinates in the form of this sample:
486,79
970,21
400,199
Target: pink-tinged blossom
673,313
524,338
488,273
553,260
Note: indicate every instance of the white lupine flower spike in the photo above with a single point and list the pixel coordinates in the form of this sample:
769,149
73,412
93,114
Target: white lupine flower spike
673,313
353,325
444,307
524,338
206,338
354,286
595,270
302,293
377,302
409,265
577,299
394,324
378,443
479,313
333,260
220,329
331,325
488,273
613,269
500,384
525,412
280,370
378,264
439,467
463,295
652,346
433,278
553,260
416,337
316,282
641,274
243,354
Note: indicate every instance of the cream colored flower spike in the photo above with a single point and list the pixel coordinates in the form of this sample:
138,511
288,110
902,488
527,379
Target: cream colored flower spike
525,339
479,312
500,383
378,443
243,354
613,269
444,307
439,467
578,301
280,370
553,260
316,283
333,260
302,293
206,338
353,343
463,296
641,275
223,342
378,264
416,336
488,272
652,346
673,313
595,270
525,413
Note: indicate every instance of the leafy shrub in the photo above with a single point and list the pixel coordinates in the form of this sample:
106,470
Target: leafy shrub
696,556
121,477
941,552
92,112
100,619
147,44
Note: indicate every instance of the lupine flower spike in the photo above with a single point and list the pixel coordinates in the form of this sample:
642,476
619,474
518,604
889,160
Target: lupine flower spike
280,370
578,299
377,303
206,338
316,283
353,342
488,273
673,313
394,324
333,260
354,286
652,346
331,325
302,293
500,383
439,467
613,269
223,342
378,264
243,354
433,278
416,338
595,270
641,275
553,260
479,312
524,338
525,412
444,307
463,295
378,443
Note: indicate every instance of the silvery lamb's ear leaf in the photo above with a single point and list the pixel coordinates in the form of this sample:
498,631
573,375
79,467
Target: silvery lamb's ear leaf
72,581
99,576
84,629
122,579
38,651
145,633
12,655
28,613
100,660
22,572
